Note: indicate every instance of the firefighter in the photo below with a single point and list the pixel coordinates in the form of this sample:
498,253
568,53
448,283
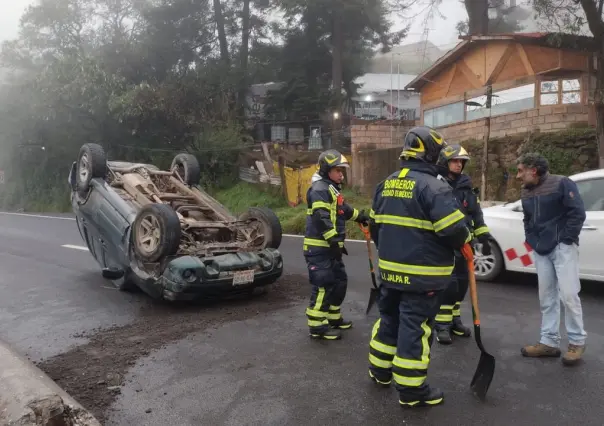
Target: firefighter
324,245
416,225
448,319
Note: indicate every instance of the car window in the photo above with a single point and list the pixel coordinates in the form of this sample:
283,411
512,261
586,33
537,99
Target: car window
592,193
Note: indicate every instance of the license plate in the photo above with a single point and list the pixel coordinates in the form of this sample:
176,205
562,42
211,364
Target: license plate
243,277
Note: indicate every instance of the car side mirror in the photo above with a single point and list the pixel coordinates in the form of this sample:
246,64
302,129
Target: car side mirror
72,176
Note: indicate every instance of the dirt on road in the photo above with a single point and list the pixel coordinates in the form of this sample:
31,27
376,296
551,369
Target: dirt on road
94,372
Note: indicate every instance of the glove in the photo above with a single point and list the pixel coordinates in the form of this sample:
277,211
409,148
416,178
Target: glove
486,247
337,251
363,218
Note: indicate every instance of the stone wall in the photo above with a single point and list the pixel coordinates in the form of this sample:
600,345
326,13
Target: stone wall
551,118
568,151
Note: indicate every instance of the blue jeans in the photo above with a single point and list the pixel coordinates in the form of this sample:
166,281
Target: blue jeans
558,275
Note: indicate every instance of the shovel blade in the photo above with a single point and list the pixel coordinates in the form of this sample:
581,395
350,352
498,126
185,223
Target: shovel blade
483,375
374,294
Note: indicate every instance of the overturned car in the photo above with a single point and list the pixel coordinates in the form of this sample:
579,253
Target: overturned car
159,231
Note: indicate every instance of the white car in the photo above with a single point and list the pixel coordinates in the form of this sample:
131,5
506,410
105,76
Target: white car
508,249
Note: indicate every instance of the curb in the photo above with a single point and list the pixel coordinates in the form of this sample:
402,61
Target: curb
28,397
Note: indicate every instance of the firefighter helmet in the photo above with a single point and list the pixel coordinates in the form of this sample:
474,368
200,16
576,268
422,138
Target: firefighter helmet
453,152
423,143
329,159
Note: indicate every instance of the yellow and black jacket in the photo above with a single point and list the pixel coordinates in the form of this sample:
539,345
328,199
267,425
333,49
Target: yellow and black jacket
326,217
416,225
469,204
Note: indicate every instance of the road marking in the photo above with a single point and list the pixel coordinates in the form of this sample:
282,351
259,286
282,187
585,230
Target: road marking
71,246
72,218
38,215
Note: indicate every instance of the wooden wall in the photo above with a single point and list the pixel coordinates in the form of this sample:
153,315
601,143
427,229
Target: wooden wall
501,64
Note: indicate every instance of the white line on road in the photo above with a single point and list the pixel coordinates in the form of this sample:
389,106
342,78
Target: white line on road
81,248
37,215
71,246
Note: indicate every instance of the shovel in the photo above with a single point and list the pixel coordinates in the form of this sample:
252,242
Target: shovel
486,365
374,293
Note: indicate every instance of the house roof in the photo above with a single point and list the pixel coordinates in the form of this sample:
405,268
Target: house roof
552,40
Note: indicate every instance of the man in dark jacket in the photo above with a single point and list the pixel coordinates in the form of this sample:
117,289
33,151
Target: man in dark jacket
448,319
324,245
553,218
416,225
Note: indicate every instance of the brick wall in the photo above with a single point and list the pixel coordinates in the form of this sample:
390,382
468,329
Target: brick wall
369,137
549,118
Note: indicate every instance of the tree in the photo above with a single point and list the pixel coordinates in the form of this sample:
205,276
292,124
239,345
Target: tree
500,18
340,25
571,16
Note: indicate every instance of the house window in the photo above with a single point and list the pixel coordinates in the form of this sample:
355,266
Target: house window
506,101
563,91
444,115
571,91
549,92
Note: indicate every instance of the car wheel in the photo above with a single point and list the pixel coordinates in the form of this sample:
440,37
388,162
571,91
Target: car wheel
92,163
187,167
265,226
156,232
488,268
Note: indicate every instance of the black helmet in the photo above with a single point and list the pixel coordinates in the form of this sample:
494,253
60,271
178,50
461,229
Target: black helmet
423,143
453,152
331,158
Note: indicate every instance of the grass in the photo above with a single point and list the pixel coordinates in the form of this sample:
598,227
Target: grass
293,219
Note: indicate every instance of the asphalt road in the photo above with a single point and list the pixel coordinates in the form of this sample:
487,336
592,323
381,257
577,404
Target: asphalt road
260,368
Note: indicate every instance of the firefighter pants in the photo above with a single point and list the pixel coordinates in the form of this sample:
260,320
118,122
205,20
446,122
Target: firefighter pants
401,341
455,293
329,284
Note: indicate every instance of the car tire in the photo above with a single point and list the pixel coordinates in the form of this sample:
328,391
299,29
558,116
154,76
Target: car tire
164,243
92,164
187,168
271,225
488,268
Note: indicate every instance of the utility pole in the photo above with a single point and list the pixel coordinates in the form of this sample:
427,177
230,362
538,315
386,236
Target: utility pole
485,146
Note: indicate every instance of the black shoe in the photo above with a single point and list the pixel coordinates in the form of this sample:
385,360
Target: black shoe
342,324
435,397
443,334
459,329
326,335
379,382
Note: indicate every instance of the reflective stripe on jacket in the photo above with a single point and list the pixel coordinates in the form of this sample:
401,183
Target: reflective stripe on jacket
416,225
326,217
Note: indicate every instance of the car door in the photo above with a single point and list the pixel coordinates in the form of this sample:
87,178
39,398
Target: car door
517,254
591,239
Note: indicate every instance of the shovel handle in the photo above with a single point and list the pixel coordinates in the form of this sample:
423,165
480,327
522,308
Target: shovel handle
467,250
365,230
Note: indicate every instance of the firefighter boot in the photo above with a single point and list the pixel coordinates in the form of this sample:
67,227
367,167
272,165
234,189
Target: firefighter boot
434,397
459,329
329,334
380,381
341,324
443,334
